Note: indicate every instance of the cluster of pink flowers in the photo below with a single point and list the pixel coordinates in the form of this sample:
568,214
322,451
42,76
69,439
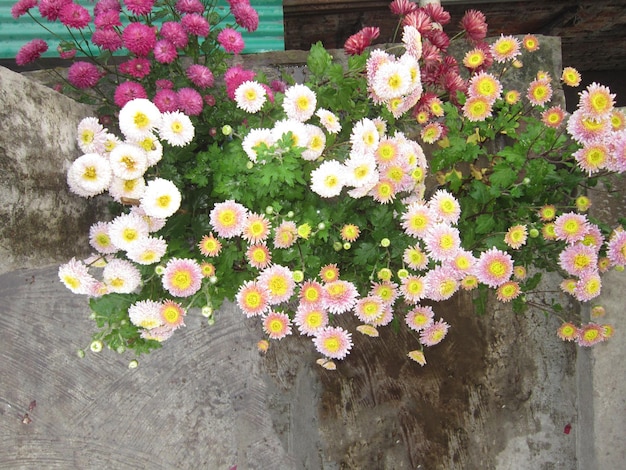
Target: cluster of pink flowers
587,335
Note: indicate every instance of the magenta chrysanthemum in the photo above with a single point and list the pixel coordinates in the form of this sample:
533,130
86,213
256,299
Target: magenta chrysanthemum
83,75
245,16
190,101
189,6
139,7
73,15
136,68
50,9
174,33
166,100
31,51
139,38
195,24
21,7
108,19
475,25
231,40
200,75
182,277
165,52
107,39
128,91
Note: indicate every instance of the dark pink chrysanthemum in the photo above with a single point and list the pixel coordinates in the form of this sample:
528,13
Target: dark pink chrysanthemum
174,33
357,43
136,68
31,51
106,5
419,19
107,19
231,40
139,39
200,75
166,100
107,39
139,7
402,7
65,52
22,7
50,9
195,24
475,25
83,75
190,101
74,16
234,77
189,6
128,91
437,13
439,39
165,52
245,16
278,86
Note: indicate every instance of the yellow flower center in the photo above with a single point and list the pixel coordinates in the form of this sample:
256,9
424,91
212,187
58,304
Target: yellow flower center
141,120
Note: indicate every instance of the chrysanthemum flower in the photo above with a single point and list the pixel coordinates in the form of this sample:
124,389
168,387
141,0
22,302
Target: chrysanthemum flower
195,24
414,288
412,40
516,236
469,282
252,298
350,232
310,320
415,258
369,309
340,296
508,291
357,43
418,356
311,294
91,136
434,334
228,218
285,235
121,276
120,189
210,246
364,137
618,120
254,138
167,102
388,152
539,92
139,38
570,76
571,227
182,277
553,117
463,261
256,228
299,102
592,157
445,206
442,241
584,129
420,317
384,191
418,219
278,281
475,25
597,101
329,273
328,120
250,96
200,75
176,129
486,85
519,273
128,161
148,250
590,334
245,15
208,269
21,7
505,48
431,132
161,199
567,332
75,276
361,171
530,43
512,97
588,286
386,290
89,175
100,240
477,108
616,248
547,213
276,325
231,40
172,314
328,179
474,58
299,132
494,267
442,282
31,51
174,32
333,342
577,259
259,256
127,229
145,314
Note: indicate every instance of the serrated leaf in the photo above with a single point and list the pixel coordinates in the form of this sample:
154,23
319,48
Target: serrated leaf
485,223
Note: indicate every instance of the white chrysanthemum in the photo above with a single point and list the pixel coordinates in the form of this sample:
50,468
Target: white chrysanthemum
121,276
110,142
128,161
299,132
75,275
328,120
148,250
328,180
316,143
413,153
91,135
145,314
161,198
392,80
412,40
361,171
176,128
154,223
100,239
250,96
152,146
299,103
364,137
138,118
254,138
127,189
127,229
412,65
89,175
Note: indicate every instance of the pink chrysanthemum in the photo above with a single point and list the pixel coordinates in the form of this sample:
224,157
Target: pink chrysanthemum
210,246
285,235
567,332
578,259
311,294
415,258
259,256
252,298
584,130
402,7
516,236
445,206
494,267
310,320
172,314
107,39
592,157
539,92
553,117
200,75
477,108
333,342
486,85
189,6
121,276
421,317
136,68
442,282
434,334
508,291
340,296
73,15
231,40
256,228
50,9
590,334
195,24
147,250
616,248
279,283
386,290
182,277
75,276
139,7
588,286
234,77
442,241
83,75
357,43
166,100
174,33
431,132
571,227
228,218
21,7
463,262
369,309
139,38
414,288
475,25
530,43
128,91
145,314
597,101
276,325
329,273
107,20
100,240
190,101
245,16
418,219
165,52
505,48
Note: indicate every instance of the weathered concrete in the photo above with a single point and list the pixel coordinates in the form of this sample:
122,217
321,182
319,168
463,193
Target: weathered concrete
40,221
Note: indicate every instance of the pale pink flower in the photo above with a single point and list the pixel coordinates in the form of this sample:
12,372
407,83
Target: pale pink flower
228,218
494,267
333,342
340,296
182,277
434,334
121,276
276,325
420,317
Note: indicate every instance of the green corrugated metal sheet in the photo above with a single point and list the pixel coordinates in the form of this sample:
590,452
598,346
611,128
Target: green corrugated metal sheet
14,33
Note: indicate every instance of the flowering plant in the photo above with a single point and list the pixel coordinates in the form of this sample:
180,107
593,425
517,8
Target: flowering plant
307,202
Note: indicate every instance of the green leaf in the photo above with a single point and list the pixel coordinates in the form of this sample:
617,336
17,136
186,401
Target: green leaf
319,60
503,176
485,223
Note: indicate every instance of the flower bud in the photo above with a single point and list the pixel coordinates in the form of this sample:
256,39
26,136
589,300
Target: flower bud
120,349
337,246
385,242
597,311
207,311
227,130
526,180
533,233
213,279
290,214
298,276
263,345
249,165
321,226
80,353
403,273
133,364
211,320
347,245
96,346
619,268
159,269
304,231
384,274
269,210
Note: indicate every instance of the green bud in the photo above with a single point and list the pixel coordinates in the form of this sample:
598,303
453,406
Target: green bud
213,279
211,321
402,273
347,245
385,242
133,364
526,180
321,226
96,346
159,269
290,214
298,276
337,246
207,311
227,130
533,233
269,210
80,353
120,349
249,165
